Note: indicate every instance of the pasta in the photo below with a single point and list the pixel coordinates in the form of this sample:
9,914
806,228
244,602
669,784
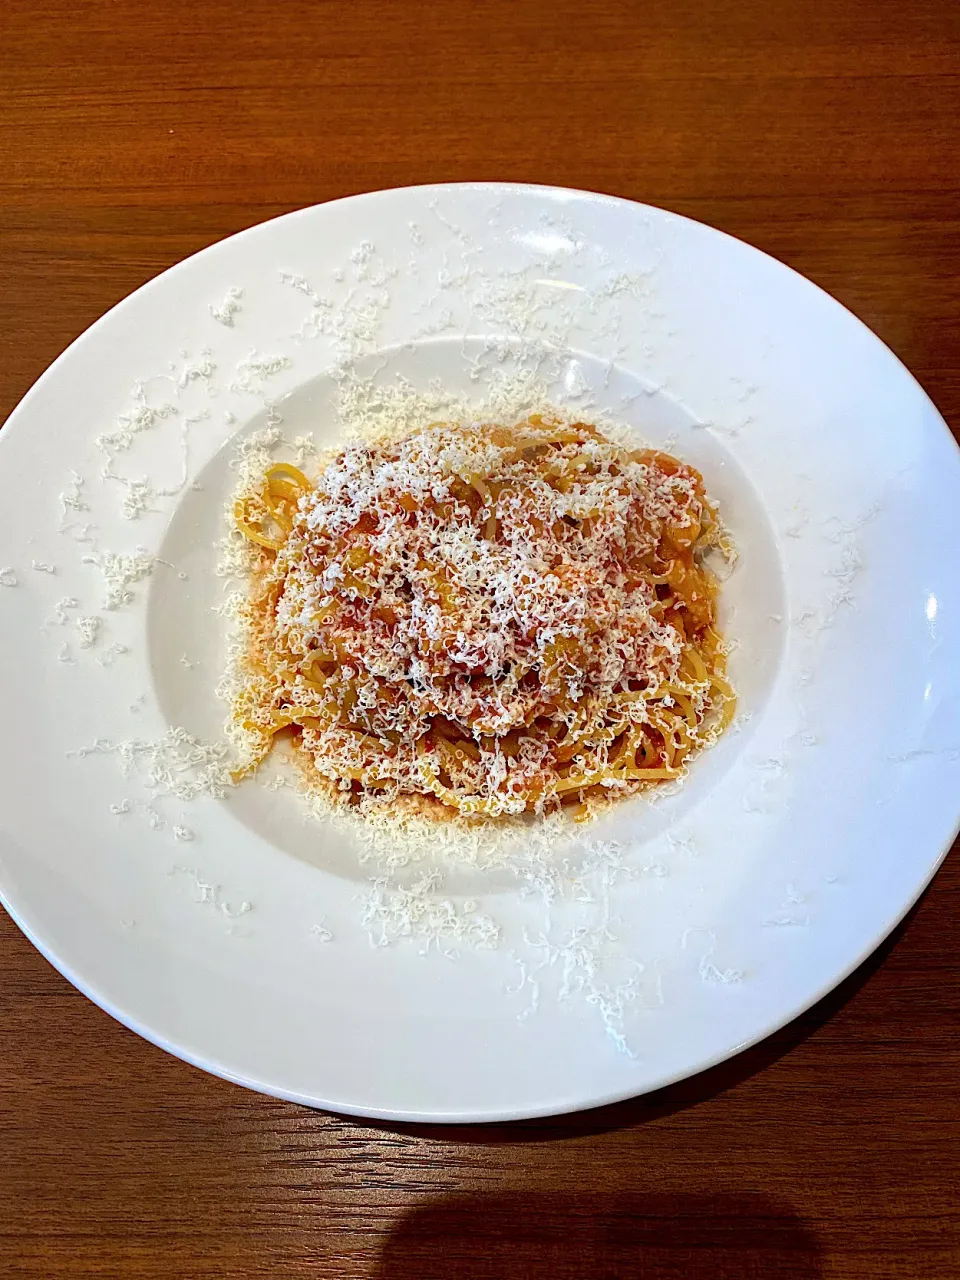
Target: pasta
483,619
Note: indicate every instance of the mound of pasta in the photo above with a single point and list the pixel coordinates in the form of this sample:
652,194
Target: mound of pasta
482,619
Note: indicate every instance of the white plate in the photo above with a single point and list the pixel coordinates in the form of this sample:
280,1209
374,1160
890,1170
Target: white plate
692,927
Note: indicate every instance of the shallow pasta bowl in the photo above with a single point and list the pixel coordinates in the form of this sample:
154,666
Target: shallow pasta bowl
234,930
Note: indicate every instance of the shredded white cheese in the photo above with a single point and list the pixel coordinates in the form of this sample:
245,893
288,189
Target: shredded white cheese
120,574
212,894
178,764
199,370
254,370
59,618
109,656
228,308
419,913
88,630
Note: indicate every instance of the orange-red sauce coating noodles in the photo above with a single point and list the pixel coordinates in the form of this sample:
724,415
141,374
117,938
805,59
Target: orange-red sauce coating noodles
484,619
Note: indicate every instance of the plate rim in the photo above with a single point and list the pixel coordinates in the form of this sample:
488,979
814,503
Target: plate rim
501,1116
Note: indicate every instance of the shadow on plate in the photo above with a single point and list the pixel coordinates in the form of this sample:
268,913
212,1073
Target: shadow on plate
552,1236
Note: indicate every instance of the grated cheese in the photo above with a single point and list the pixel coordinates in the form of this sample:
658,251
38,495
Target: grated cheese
199,370
177,764
120,574
581,957
710,973
88,630
212,894
60,618
72,500
228,308
141,417
548,611
109,656
254,370
419,913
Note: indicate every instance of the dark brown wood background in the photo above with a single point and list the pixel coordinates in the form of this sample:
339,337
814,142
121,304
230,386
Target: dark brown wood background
134,132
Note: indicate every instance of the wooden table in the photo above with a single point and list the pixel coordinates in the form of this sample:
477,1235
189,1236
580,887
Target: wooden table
135,132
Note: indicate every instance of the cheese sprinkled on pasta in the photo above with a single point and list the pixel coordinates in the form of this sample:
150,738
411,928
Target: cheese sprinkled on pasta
482,619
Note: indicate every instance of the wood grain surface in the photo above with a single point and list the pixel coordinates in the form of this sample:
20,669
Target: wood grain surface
134,132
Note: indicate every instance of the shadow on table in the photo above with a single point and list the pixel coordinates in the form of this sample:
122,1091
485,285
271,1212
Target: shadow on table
597,1237
663,1102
